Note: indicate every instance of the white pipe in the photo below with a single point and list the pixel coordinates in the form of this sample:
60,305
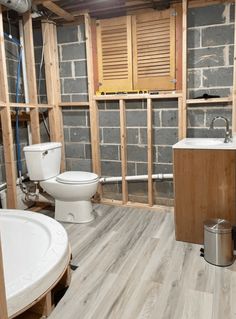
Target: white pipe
26,92
104,180
20,6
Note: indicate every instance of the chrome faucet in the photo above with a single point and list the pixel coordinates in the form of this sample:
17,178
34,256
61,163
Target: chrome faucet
227,130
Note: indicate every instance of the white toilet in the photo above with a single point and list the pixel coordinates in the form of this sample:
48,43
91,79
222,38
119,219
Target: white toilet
72,190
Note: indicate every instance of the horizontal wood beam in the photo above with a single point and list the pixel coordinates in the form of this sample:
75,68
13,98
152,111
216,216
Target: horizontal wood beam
58,10
210,101
29,105
137,96
82,104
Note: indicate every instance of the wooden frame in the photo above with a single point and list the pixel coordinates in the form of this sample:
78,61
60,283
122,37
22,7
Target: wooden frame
148,98
123,146
6,125
53,84
55,116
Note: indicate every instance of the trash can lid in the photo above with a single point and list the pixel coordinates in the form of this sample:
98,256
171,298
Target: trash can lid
218,225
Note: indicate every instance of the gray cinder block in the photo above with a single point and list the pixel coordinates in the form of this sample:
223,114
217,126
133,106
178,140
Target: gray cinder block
74,118
218,77
206,15
78,85
73,51
218,35
170,118
80,134
67,34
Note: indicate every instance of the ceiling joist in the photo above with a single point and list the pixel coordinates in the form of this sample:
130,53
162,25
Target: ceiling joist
58,11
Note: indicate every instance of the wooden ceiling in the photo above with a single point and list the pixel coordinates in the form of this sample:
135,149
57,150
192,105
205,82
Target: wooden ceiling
101,8
70,10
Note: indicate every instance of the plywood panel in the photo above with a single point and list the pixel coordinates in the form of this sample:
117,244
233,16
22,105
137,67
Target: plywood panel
204,188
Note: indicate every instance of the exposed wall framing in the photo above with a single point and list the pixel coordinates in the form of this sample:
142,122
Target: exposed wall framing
52,78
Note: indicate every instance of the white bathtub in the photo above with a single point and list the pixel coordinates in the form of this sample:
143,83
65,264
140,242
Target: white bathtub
35,253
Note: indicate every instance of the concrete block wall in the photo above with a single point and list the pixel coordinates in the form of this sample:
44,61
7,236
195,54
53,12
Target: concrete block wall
210,65
11,50
165,130
72,58
210,50
11,60
210,62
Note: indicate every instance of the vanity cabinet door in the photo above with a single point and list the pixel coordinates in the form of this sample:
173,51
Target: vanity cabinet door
204,183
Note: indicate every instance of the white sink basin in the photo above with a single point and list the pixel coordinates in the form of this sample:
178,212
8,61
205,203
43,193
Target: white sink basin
205,143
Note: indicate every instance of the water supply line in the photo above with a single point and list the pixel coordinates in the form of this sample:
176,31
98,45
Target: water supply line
133,178
20,6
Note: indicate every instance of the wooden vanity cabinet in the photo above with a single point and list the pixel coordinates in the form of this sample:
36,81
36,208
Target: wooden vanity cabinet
204,185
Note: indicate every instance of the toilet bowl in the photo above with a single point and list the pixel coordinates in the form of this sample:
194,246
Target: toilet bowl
72,190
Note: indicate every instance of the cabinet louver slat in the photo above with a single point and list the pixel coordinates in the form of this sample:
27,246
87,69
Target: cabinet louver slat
114,54
154,50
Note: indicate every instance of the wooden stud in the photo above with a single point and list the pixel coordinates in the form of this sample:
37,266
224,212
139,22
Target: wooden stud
234,80
123,144
179,44
31,76
93,108
6,125
58,11
150,151
183,111
53,84
44,306
180,109
3,301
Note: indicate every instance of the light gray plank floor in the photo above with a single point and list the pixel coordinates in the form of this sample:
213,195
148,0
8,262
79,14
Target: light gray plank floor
131,267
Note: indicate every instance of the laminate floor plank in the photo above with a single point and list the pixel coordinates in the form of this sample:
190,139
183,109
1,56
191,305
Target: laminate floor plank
131,267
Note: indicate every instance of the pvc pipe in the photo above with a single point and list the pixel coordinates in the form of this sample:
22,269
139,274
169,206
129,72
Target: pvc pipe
104,180
26,92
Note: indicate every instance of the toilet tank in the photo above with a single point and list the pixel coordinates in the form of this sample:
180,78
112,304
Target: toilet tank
43,160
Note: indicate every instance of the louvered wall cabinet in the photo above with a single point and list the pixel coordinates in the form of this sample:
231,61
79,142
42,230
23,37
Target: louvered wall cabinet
137,52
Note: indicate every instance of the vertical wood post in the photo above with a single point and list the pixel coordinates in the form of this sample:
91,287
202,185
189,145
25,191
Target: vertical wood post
53,84
123,144
183,111
6,125
150,151
93,108
31,76
3,302
234,80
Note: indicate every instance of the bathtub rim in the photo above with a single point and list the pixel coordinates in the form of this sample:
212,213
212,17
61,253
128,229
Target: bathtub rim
33,303
43,278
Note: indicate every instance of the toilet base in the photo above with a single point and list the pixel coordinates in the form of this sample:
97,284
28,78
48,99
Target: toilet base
74,212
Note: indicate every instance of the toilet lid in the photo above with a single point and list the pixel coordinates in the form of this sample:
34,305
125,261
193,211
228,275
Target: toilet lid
77,177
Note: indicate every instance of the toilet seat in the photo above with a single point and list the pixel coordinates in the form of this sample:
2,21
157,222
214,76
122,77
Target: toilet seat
77,177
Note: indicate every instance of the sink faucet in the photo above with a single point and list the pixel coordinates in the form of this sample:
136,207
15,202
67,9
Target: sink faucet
227,130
